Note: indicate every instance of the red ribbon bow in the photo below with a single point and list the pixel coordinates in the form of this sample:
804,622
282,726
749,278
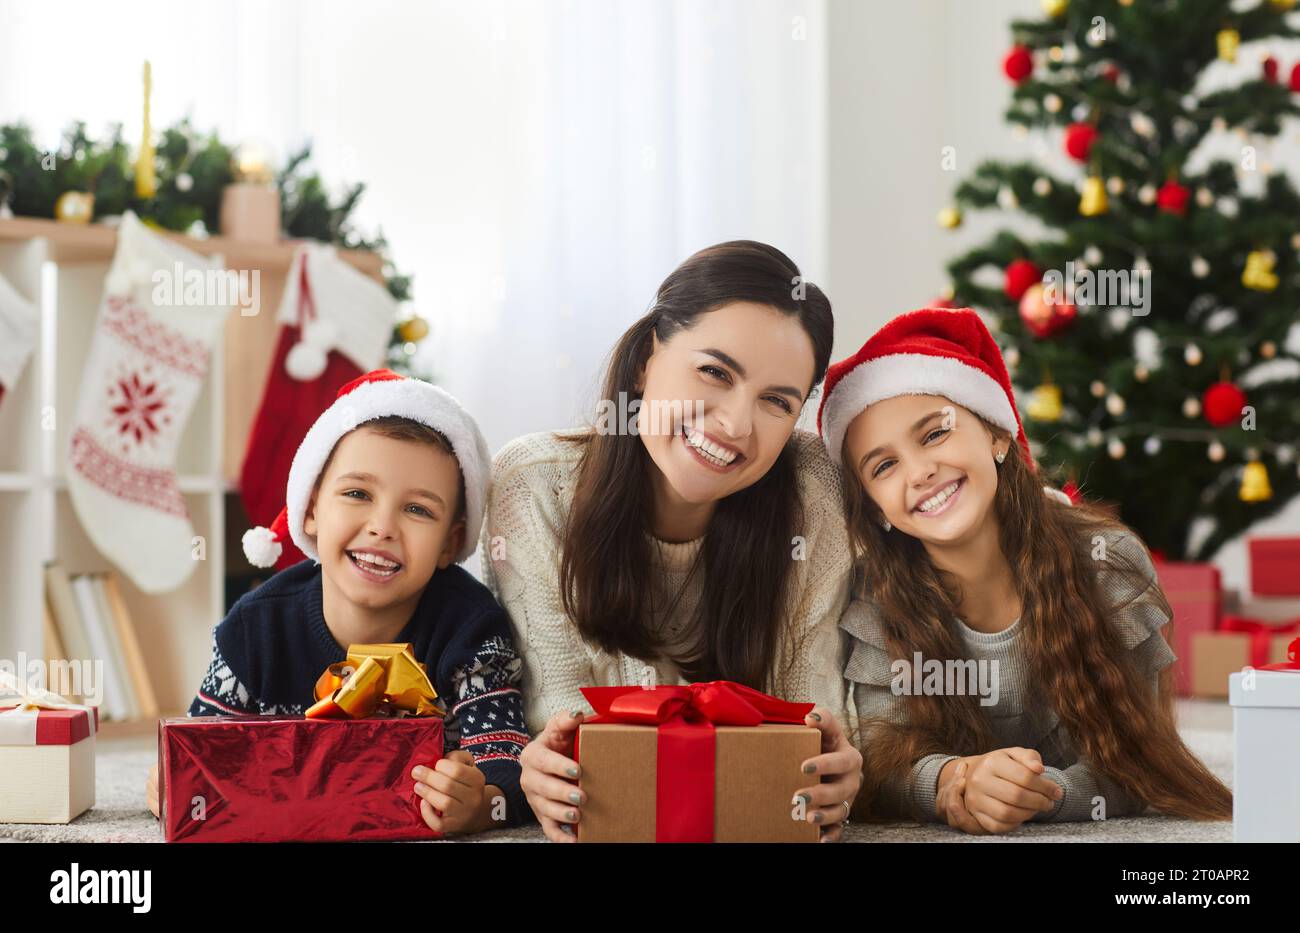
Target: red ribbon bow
685,716
1261,636
1292,653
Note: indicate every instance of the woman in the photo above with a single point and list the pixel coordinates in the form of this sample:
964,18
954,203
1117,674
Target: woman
706,541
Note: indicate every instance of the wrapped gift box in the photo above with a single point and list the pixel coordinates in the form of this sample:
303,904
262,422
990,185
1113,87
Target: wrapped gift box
1275,566
289,778
47,763
1266,755
659,777
1217,655
1194,594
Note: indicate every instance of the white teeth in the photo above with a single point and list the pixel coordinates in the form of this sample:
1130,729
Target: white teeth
712,451
938,499
377,564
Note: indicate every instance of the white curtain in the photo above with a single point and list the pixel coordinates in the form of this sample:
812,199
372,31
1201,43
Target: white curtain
538,166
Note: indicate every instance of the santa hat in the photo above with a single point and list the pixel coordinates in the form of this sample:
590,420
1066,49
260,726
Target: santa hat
377,394
933,351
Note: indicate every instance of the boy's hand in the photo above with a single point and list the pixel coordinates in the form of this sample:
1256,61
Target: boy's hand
151,789
1006,787
456,787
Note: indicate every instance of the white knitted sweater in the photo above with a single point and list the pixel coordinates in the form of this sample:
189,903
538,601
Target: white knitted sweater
532,491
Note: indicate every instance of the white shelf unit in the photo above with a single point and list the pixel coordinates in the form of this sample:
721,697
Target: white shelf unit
62,272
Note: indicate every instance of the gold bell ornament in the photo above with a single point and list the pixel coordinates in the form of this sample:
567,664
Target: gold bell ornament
1228,40
1055,8
1258,273
74,207
1045,403
413,330
1254,483
950,218
1093,203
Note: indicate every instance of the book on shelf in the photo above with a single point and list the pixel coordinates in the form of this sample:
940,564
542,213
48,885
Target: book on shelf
87,619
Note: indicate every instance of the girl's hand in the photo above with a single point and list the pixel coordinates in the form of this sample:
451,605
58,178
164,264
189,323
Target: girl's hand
549,777
455,786
950,802
151,789
1007,786
840,768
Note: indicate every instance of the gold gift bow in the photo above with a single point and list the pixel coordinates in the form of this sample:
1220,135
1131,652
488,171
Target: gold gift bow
373,674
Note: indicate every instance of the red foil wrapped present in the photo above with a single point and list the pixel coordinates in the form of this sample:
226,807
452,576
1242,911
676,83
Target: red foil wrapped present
289,778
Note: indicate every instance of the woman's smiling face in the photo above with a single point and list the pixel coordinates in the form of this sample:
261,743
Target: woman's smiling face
928,464
720,399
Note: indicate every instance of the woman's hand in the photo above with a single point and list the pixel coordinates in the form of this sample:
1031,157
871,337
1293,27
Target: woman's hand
840,767
151,789
549,777
950,801
1006,787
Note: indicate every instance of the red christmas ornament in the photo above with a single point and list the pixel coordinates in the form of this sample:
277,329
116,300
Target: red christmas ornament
1019,64
1172,198
1020,274
1270,69
1079,138
1111,73
1222,404
1295,78
1044,318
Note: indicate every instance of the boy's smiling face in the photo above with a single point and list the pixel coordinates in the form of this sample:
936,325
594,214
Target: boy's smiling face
380,502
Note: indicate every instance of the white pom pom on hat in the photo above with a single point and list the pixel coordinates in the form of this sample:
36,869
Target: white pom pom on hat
376,394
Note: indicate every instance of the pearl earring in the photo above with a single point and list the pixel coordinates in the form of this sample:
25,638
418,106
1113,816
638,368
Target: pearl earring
884,523
1001,455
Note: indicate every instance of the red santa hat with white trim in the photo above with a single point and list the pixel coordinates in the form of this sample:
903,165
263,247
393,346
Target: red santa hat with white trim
376,394
933,351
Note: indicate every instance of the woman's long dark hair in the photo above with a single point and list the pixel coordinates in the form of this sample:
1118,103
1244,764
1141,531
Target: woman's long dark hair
606,566
1078,663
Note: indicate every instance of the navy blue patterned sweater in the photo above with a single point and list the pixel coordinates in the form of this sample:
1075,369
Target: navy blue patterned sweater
269,651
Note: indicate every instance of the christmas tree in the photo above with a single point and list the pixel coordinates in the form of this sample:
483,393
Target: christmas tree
1152,330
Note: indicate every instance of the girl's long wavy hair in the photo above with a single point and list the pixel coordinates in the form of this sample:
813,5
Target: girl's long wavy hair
607,579
1073,653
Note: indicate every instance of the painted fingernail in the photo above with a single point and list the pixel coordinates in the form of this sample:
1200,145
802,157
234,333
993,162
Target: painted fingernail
565,827
816,716
575,713
571,770
806,798
575,797
818,816
809,768
571,815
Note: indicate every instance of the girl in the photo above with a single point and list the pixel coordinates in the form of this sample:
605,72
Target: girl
970,562
704,541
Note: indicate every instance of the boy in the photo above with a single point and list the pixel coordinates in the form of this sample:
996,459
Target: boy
386,491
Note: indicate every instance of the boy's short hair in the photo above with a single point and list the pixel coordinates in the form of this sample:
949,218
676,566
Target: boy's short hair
398,428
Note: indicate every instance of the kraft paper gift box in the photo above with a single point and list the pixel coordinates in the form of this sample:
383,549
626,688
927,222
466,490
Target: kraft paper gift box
47,763
1216,655
714,762
342,772
1266,752
1275,566
1195,596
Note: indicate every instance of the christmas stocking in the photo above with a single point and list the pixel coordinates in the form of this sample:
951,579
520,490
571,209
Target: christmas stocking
335,324
18,325
148,358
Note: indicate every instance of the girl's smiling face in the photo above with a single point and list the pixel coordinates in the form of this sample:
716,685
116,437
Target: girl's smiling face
719,400
928,464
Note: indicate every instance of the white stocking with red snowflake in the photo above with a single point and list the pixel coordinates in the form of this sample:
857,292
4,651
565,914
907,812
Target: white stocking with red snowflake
147,363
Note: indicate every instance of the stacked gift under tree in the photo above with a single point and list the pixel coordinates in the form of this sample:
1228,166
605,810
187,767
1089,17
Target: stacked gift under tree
1210,643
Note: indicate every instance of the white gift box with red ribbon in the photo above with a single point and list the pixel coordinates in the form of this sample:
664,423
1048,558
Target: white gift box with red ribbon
1266,754
47,757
